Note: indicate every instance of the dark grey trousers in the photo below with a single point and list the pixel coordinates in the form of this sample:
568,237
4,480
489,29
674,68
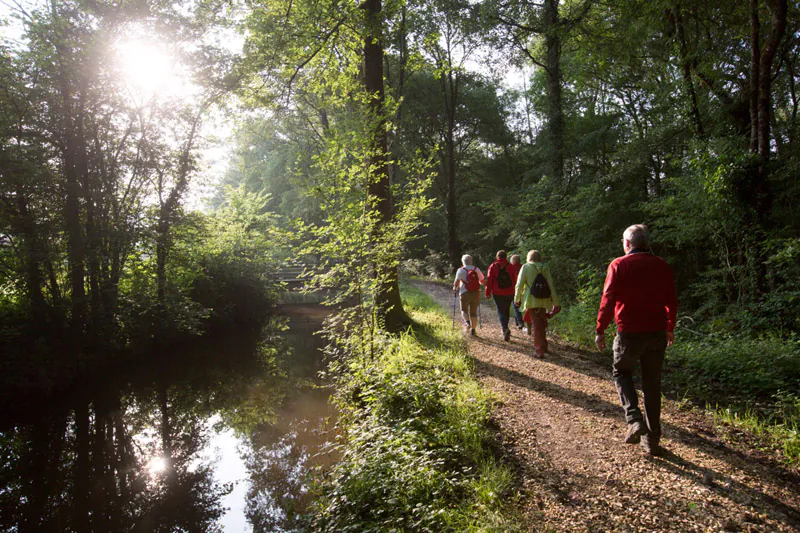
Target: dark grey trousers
647,348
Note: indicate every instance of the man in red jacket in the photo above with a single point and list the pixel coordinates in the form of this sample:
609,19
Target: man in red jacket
500,283
639,293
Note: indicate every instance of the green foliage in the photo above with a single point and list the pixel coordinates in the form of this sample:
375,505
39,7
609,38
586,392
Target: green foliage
93,170
435,265
778,424
723,369
266,157
418,453
219,274
243,246
576,322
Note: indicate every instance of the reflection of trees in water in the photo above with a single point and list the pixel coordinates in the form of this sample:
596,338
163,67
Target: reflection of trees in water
277,492
127,457
279,458
180,495
83,470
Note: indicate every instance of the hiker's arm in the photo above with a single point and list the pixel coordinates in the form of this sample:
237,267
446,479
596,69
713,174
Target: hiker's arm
671,308
607,304
520,288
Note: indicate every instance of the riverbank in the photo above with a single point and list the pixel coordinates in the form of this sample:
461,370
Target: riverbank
419,451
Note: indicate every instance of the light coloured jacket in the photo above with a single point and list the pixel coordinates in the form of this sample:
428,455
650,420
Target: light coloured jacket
524,283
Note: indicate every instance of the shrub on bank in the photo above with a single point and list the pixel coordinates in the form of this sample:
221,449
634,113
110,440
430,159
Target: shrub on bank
417,451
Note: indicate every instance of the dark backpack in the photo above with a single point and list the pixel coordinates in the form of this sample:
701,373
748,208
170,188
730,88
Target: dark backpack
540,288
504,280
473,282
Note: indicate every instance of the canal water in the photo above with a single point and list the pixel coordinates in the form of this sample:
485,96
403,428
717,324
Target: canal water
219,436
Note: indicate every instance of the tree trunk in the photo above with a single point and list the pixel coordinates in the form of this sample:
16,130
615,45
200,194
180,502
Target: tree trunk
555,118
449,84
71,130
400,88
388,298
162,245
758,194
793,95
694,111
33,260
453,244
755,54
768,53
169,208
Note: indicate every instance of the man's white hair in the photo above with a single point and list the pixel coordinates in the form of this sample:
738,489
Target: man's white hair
466,260
637,235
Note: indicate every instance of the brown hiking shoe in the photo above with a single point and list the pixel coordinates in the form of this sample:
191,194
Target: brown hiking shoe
635,432
651,447
507,335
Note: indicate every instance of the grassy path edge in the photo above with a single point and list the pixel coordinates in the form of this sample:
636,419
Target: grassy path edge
418,449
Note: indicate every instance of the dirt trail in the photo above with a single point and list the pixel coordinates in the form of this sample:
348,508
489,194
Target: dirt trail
562,426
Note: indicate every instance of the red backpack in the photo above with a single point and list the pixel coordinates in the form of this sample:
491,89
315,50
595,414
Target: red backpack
473,282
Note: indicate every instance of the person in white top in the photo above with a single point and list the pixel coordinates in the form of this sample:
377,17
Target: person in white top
467,285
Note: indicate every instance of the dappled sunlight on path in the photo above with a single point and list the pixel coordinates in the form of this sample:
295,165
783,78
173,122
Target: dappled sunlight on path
561,424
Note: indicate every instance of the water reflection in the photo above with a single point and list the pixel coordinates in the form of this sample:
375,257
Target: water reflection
215,439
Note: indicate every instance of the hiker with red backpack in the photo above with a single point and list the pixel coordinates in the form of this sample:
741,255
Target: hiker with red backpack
536,295
467,284
500,284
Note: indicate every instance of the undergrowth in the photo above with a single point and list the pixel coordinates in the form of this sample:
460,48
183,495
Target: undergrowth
751,384
417,452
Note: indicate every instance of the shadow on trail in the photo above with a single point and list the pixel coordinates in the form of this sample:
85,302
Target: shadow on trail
586,363
592,365
725,486
580,399
599,406
578,365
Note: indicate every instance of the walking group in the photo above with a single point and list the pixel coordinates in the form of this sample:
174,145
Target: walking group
528,288
638,294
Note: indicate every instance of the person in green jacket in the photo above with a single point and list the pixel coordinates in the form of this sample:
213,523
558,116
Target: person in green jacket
536,309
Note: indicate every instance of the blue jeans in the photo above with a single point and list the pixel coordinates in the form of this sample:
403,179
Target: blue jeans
517,316
503,304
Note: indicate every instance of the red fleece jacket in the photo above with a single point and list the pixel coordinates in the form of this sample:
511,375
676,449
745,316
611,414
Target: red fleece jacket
639,293
491,278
